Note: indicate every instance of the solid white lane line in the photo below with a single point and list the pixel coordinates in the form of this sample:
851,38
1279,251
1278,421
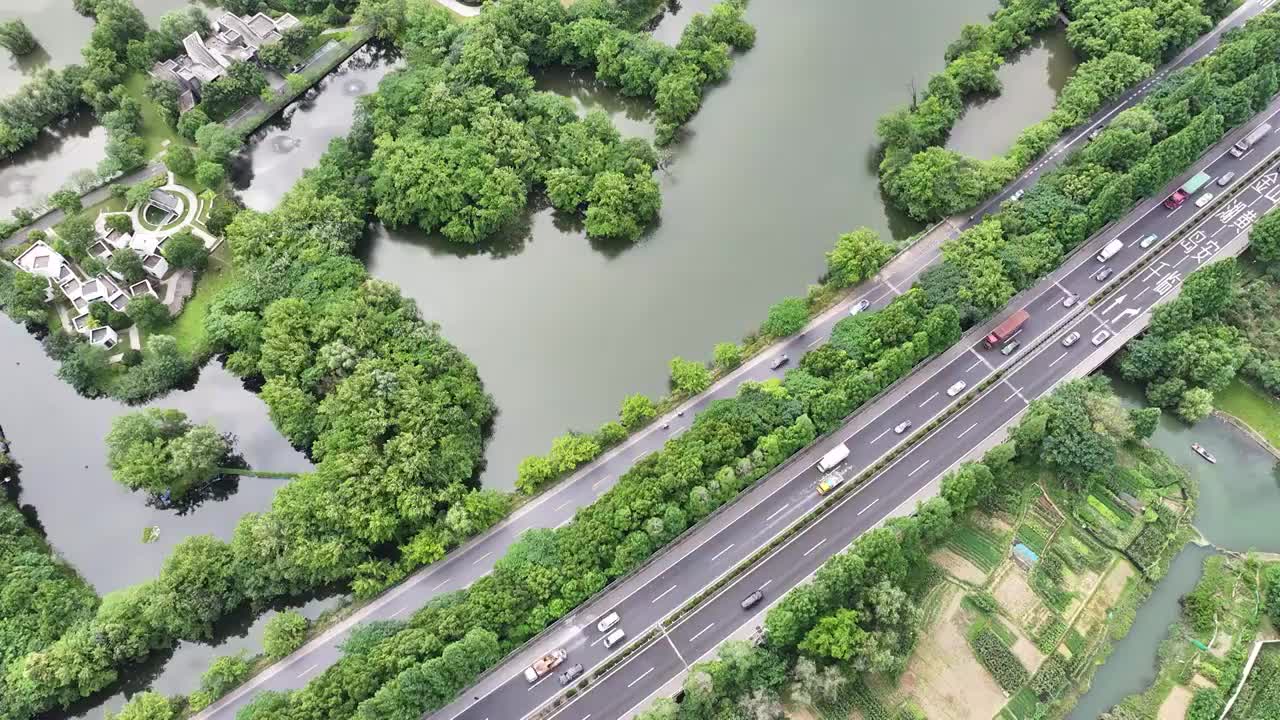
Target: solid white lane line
717,555
815,342
766,583
775,512
439,585
976,364
560,507
1055,360
313,667
815,547
564,522
664,594
398,611
918,468
1012,395
597,483
966,430
873,502
886,432
642,676
926,402
697,634
482,557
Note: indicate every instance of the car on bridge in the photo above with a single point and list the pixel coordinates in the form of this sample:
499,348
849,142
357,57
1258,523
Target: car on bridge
1071,339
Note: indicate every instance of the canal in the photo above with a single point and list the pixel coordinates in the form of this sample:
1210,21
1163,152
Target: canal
778,162
1239,501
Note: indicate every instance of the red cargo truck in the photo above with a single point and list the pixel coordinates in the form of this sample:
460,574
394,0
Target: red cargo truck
1006,329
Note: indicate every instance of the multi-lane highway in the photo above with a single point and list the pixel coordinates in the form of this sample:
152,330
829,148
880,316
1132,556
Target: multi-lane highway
556,507
1028,373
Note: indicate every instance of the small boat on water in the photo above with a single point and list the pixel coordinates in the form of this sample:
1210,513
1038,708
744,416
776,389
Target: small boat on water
1202,452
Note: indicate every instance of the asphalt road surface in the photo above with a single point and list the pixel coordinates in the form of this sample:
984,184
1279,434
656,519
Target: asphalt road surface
557,507
1162,268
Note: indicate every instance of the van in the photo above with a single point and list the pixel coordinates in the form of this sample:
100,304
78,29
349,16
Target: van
615,637
607,622
1110,250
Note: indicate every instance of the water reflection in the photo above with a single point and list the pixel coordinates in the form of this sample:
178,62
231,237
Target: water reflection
59,30
93,522
1030,84
278,153
66,153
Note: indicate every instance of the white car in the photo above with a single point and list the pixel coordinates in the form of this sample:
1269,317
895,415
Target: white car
1226,179
1101,337
1071,339
902,427
1204,199
1068,301
1017,195
607,622
1147,241
859,306
956,389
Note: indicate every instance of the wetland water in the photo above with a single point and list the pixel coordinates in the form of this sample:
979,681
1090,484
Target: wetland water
779,161
1239,502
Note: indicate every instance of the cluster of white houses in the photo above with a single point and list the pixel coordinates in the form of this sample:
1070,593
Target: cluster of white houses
81,290
234,39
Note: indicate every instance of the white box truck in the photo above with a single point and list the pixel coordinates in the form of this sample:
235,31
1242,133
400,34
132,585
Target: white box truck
1110,250
833,458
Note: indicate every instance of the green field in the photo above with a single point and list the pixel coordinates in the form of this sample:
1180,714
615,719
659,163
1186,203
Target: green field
977,546
1253,407
155,131
188,327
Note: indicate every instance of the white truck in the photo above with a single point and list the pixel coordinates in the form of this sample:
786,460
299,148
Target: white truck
1108,252
1246,143
833,458
545,664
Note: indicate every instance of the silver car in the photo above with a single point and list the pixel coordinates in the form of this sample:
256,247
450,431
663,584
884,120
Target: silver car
860,306
902,427
1101,337
1071,339
1226,179
1147,241
956,389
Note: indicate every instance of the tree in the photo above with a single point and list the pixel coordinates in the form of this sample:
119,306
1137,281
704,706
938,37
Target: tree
180,160
837,637
1264,238
215,141
786,317
15,36
210,175
1145,421
149,313
689,377
620,207
857,256
636,411
68,201
164,94
385,17
85,368
220,216
1196,404
127,265
727,355
285,632
145,706
224,674
191,122
185,251
120,222
223,96
24,298
159,450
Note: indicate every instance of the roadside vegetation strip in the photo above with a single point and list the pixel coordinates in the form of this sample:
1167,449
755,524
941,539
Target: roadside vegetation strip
889,563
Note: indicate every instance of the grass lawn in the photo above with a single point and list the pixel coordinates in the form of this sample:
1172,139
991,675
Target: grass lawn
154,129
1254,407
188,327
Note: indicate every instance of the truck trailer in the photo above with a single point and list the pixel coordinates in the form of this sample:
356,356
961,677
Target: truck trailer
1189,188
545,664
1006,329
833,458
1248,141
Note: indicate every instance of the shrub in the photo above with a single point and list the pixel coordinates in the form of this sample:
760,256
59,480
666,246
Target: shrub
1003,665
285,632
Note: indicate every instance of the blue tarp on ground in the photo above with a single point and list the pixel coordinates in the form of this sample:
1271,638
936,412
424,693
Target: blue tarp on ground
1025,552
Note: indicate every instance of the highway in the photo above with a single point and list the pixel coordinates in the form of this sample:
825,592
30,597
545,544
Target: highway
557,506
1031,372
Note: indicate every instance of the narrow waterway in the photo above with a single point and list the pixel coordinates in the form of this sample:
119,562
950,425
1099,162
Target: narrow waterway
1239,502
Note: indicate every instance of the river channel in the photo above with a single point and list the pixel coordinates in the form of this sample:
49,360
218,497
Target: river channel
778,162
1239,502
